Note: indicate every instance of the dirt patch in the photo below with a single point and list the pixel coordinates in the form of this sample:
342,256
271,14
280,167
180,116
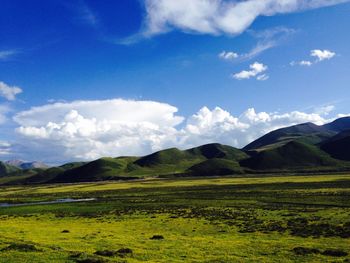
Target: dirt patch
157,237
23,247
305,251
334,253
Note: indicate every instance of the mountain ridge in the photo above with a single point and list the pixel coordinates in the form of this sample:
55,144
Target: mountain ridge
304,147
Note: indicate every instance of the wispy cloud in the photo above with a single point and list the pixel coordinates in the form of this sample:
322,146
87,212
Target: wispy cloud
8,54
4,110
87,15
82,13
219,17
267,39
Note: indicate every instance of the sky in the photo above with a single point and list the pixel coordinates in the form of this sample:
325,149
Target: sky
81,79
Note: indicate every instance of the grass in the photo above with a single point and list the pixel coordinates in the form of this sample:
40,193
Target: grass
246,219
293,155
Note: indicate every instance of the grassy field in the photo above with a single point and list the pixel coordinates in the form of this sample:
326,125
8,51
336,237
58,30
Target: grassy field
270,219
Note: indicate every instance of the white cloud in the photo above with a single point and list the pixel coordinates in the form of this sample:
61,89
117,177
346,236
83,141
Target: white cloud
262,77
85,130
218,16
255,71
7,54
9,92
322,54
301,63
305,63
267,39
218,125
5,148
324,110
90,129
319,56
228,55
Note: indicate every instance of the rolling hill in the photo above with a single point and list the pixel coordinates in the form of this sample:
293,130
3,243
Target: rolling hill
7,169
292,155
339,125
215,167
300,148
26,165
306,132
338,146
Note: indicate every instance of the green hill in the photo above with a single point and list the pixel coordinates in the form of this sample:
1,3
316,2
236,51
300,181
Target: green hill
216,150
6,169
293,155
45,175
168,156
215,167
98,170
306,132
339,125
167,162
303,147
338,146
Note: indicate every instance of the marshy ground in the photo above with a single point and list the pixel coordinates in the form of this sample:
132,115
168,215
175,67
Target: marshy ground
269,219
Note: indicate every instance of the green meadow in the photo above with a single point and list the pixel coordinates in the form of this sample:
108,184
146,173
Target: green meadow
228,219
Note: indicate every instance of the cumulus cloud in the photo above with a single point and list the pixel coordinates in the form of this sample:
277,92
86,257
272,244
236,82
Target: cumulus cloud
322,54
256,70
218,16
218,125
319,55
9,92
85,130
89,129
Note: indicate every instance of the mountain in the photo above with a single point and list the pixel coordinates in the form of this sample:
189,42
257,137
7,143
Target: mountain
166,162
339,125
216,150
215,167
165,157
98,170
293,155
7,169
306,132
300,148
26,165
338,146
48,174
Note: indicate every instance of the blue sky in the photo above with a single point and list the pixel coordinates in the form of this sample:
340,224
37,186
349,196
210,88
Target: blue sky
61,52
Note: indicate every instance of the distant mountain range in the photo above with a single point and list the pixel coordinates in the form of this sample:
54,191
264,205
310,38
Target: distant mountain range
26,165
306,148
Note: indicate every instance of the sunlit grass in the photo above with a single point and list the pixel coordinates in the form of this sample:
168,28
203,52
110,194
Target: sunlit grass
201,220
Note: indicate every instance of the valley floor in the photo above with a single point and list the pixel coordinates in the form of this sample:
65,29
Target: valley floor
270,219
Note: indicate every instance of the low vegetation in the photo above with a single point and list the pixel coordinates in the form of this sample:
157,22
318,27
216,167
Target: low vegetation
252,219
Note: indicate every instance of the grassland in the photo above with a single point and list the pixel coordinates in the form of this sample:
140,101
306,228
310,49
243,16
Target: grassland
246,219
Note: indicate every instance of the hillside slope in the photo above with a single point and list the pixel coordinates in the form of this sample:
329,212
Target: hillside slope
338,146
293,155
306,132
